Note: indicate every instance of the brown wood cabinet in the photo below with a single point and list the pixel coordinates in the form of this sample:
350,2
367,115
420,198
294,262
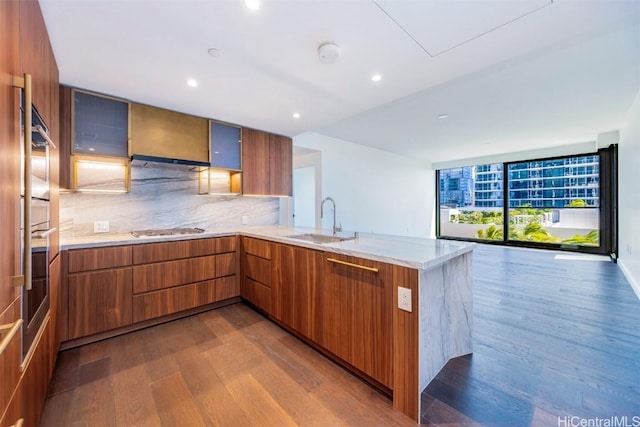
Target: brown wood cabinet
171,277
356,308
256,270
25,49
10,357
266,163
9,152
99,301
295,288
113,287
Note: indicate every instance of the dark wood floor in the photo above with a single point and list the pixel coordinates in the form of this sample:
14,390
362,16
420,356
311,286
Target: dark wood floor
551,338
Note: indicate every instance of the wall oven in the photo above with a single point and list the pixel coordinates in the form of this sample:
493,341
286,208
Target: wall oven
35,216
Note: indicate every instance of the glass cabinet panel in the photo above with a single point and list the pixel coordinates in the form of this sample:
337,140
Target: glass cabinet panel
100,125
225,143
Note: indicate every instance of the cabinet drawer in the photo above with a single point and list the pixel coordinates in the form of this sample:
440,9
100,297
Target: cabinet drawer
257,293
98,258
258,269
99,301
226,244
168,301
226,264
227,287
165,251
173,273
256,247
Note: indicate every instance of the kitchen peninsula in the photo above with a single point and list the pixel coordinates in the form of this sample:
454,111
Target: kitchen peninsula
340,297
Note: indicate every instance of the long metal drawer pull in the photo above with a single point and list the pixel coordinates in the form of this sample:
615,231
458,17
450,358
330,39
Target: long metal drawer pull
14,328
349,264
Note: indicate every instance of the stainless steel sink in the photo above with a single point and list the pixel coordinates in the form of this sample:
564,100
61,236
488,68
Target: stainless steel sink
321,238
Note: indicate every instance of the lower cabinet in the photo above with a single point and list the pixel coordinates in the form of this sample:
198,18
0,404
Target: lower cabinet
356,309
256,269
344,304
113,287
99,301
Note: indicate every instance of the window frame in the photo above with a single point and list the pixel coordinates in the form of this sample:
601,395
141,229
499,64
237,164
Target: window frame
607,207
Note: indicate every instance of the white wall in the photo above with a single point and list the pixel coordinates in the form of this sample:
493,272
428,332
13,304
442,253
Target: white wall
629,195
375,191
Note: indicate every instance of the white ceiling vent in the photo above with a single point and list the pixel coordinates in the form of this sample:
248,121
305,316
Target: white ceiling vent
328,53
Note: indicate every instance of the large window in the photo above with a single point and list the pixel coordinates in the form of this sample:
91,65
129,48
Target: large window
547,202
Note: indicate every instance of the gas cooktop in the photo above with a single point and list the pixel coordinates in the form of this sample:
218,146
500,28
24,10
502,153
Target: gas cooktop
166,232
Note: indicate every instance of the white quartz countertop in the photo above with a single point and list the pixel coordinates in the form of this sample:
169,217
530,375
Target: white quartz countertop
419,253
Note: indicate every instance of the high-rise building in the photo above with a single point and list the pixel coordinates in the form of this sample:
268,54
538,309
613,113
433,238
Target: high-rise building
555,183
456,187
488,186
542,184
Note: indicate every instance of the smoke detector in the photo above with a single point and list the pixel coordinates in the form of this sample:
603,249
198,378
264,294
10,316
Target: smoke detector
328,53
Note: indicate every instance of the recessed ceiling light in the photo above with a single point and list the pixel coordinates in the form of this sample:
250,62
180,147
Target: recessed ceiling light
216,53
296,115
376,78
192,83
252,4
443,116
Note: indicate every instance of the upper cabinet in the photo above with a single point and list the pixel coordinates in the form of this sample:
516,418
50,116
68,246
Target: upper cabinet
266,163
94,141
170,135
225,142
100,125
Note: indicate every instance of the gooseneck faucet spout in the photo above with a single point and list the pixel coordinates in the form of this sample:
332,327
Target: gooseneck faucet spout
329,199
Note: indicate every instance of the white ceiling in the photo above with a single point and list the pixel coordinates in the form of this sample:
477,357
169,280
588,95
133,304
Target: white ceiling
511,75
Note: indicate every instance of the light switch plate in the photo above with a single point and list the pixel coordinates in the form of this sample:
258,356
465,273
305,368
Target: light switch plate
404,299
245,220
100,226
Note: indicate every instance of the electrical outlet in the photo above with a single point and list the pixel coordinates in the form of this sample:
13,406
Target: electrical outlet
404,299
245,220
100,226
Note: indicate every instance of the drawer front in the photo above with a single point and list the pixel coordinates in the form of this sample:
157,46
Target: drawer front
173,273
257,293
258,269
257,247
99,258
227,287
226,264
168,301
167,251
226,244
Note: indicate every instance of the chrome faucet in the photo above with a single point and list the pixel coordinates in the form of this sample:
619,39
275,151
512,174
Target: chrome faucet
335,229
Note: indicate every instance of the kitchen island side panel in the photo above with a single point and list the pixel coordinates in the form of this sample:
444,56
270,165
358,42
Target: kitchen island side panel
446,315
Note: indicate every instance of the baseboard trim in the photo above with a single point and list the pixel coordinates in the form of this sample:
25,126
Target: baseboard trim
634,284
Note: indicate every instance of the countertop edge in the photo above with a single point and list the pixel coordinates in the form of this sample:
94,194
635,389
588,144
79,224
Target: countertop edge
341,248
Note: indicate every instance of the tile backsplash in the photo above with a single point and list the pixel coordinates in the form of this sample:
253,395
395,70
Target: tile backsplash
161,197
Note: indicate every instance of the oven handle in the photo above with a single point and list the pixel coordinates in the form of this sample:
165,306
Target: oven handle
43,134
41,234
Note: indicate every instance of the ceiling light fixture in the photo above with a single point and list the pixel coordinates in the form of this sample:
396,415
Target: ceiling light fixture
192,83
296,115
216,53
328,53
376,78
443,116
252,4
